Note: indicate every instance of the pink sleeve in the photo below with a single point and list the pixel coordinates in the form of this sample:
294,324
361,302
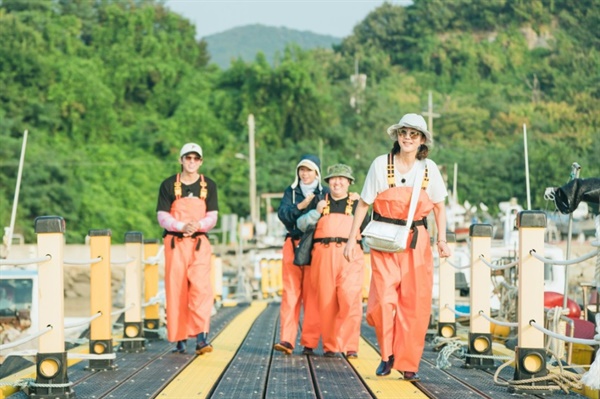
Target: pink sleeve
168,222
209,221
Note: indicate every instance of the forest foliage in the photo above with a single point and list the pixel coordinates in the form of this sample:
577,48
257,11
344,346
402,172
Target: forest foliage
109,91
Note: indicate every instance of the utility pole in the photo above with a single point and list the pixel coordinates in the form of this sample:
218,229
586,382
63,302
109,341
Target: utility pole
430,114
359,83
254,215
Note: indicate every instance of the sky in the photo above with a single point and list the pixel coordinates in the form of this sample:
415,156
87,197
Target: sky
328,17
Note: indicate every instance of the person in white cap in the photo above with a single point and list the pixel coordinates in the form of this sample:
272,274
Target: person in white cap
187,209
299,198
400,296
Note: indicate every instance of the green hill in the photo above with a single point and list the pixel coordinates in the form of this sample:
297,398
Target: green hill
246,41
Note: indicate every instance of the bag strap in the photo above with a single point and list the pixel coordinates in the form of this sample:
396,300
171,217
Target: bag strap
415,192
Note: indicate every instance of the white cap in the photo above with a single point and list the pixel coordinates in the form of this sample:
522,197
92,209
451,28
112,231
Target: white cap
414,121
190,147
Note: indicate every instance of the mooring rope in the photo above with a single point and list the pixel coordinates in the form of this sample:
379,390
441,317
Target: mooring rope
91,261
26,339
501,267
21,262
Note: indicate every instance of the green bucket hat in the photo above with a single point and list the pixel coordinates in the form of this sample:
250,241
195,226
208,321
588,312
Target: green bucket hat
339,170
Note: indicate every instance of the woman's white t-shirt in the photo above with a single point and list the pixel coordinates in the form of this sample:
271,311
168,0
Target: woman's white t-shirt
376,180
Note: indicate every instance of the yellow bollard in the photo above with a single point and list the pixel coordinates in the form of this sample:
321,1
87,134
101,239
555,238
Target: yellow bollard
100,301
278,277
273,277
151,278
217,277
51,359
264,277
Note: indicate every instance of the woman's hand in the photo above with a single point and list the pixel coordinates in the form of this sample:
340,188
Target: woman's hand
190,228
443,249
321,205
306,201
349,250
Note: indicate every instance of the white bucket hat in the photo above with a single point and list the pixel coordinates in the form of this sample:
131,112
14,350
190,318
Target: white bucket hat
414,121
190,147
312,162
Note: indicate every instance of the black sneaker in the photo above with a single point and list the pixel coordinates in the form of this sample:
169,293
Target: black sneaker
385,367
410,376
308,351
179,348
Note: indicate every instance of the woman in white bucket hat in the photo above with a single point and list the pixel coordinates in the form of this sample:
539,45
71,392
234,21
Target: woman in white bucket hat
400,297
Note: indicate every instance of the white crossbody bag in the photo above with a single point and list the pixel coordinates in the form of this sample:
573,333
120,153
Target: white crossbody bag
389,237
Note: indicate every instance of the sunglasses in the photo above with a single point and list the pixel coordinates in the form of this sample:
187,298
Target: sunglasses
408,133
192,158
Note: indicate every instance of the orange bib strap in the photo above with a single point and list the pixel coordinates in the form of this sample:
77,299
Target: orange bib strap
347,211
177,186
327,207
390,171
349,204
203,187
390,174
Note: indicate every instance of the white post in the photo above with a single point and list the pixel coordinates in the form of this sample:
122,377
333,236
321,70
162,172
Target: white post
575,170
480,338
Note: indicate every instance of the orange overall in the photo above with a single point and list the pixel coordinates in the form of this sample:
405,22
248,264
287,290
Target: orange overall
338,283
399,304
189,291
297,291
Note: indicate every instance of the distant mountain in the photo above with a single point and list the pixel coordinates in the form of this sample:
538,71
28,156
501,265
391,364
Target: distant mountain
245,41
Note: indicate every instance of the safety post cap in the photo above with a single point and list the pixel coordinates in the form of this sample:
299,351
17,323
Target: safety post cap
134,236
531,219
450,236
100,233
480,230
49,224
